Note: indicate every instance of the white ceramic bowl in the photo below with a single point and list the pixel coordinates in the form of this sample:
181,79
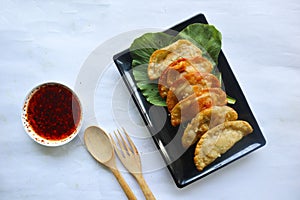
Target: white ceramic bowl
48,112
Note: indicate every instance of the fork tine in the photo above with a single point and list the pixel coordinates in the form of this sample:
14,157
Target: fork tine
124,146
130,141
125,143
122,152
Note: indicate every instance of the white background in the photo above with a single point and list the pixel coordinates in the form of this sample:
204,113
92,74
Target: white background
44,41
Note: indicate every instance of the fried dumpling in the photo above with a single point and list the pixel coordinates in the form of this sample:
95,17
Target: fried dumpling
218,140
206,120
188,84
173,72
188,108
162,58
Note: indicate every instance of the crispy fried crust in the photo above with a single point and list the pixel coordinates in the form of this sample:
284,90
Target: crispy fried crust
205,120
218,140
162,58
188,84
188,108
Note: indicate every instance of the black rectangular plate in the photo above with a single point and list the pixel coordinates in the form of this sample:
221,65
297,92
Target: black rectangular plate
167,138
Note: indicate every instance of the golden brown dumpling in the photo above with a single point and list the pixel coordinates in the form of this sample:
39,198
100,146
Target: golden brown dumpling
218,140
189,107
162,58
206,120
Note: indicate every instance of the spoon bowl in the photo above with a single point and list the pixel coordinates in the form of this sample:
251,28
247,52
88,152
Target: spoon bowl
99,145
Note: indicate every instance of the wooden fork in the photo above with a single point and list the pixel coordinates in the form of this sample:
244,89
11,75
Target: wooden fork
129,156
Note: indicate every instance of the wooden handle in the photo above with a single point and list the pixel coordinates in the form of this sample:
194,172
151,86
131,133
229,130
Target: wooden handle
146,190
123,184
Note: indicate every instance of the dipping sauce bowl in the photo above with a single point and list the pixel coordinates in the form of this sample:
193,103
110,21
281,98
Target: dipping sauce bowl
52,114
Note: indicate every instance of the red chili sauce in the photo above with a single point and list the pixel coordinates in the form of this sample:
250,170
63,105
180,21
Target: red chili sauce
53,112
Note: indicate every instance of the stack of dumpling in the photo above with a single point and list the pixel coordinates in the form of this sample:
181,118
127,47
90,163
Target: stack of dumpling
194,95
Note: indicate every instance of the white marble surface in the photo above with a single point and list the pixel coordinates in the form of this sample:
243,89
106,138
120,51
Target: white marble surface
50,41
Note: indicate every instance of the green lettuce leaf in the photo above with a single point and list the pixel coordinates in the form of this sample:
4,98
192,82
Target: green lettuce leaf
205,36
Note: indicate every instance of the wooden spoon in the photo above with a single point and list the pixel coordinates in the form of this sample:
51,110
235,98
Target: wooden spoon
100,147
